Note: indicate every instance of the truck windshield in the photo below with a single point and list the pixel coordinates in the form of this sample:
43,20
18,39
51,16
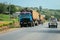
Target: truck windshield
25,14
53,19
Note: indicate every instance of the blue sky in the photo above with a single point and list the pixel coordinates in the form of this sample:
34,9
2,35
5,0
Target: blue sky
51,4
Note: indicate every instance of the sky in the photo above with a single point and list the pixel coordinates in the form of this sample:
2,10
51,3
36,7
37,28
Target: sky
50,4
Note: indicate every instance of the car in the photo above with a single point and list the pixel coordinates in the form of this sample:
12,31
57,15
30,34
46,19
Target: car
53,23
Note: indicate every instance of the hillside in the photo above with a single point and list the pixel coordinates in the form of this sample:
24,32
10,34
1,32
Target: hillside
51,12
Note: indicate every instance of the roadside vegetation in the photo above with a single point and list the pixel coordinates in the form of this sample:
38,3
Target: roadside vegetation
6,21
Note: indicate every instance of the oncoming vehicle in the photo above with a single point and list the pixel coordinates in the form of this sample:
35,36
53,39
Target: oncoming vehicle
52,22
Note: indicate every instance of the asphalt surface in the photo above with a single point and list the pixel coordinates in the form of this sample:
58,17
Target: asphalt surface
41,32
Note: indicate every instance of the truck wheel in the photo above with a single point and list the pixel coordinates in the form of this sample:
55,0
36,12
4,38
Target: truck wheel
55,26
29,24
36,23
25,25
33,24
49,26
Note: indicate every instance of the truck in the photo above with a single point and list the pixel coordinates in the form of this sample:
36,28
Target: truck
29,18
42,19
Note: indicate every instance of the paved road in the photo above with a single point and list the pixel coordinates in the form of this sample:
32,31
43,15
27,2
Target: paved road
41,32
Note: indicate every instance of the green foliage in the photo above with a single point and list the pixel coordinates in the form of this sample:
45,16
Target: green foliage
11,9
1,25
51,12
40,8
5,24
3,8
4,17
19,8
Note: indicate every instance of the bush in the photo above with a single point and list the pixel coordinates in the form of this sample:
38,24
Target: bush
1,25
10,23
5,24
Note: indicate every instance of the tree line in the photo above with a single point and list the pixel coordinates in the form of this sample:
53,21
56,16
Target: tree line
5,8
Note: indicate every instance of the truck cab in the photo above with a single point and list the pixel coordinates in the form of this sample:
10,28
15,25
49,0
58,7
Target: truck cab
25,18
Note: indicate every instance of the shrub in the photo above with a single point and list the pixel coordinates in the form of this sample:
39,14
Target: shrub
5,24
1,25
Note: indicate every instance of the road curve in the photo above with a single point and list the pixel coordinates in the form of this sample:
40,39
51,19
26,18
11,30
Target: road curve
41,32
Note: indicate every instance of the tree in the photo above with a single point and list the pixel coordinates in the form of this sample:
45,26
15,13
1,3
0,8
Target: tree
40,8
3,8
12,9
19,8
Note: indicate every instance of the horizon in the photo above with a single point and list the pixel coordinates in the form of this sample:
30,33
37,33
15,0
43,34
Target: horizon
49,4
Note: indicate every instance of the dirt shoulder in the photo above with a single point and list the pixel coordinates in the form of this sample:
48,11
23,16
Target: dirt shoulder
8,30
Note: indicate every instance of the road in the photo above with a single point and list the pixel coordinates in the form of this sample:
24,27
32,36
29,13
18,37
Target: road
41,32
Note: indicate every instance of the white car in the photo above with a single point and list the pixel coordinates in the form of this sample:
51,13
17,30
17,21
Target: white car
52,23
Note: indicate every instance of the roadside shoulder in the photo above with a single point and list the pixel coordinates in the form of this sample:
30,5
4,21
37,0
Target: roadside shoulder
8,30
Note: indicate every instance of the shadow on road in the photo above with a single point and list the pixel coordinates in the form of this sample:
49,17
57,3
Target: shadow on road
46,31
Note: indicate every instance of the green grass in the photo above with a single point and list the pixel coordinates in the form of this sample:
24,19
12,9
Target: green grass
7,21
4,17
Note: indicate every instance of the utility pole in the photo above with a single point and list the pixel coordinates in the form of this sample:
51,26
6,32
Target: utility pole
40,8
9,11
